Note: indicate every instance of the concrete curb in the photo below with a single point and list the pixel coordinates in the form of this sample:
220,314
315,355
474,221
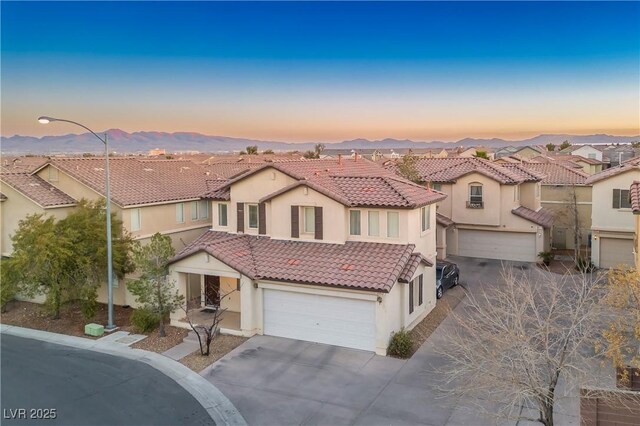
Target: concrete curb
221,410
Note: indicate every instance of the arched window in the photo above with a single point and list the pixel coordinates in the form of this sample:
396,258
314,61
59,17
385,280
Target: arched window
476,200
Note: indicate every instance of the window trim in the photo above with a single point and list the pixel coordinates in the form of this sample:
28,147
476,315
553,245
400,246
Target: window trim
369,214
204,203
249,207
623,202
180,208
303,229
194,210
351,230
139,222
471,204
388,224
425,212
226,214
411,297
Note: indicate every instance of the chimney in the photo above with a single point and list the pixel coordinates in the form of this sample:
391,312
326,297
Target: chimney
355,156
340,159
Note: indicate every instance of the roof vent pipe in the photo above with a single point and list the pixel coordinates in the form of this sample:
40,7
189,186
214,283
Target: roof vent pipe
340,159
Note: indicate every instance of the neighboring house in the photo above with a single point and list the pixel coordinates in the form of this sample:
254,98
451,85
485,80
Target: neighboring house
528,152
473,151
506,151
26,194
586,151
634,196
565,194
333,251
491,211
612,220
588,165
148,196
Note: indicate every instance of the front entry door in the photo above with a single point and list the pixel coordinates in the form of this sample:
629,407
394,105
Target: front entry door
212,290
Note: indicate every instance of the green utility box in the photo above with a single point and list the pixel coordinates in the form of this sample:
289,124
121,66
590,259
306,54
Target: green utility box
95,330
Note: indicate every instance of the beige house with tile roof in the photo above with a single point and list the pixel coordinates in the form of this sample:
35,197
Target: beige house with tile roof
613,223
337,251
149,196
491,211
24,194
559,186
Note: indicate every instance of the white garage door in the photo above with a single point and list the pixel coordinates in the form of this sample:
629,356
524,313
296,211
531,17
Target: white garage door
615,252
323,319
497,245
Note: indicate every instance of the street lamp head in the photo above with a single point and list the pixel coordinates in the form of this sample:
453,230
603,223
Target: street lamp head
45,120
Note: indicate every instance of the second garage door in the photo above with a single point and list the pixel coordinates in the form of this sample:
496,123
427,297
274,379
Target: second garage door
615,252
497,245
323,319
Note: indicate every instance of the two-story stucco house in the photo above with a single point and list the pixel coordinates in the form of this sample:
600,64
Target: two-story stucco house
25,194
491,211
586,151
612,220
565,194
149,196
337,251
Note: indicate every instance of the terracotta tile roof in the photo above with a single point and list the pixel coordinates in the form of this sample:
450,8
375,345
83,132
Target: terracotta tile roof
139,181
217,190
527,175
558,174
356,265
12,164
224,170
448,170
541,217
410,268
633,164
634,195
353,183
443,220
37,189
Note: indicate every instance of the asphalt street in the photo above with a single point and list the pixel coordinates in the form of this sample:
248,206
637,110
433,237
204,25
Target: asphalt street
87,388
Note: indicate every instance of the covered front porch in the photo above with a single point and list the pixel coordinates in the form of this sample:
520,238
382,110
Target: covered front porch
210,286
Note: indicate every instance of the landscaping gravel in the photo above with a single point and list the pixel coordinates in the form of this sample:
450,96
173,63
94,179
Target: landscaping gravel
221,346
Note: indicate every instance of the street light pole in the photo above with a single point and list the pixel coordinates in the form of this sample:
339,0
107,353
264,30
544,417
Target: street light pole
45,120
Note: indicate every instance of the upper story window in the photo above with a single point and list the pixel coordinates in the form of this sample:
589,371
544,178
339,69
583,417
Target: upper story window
136,220
591,156
437,186
223,214
203,209
476,200
252,213
199,210
309,220
180,213
425,214
354,222
374,223
393,224
621,199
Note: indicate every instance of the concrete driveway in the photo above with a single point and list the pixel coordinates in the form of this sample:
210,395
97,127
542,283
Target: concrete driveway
275,381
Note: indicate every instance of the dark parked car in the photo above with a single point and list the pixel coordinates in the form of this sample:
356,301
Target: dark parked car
447,276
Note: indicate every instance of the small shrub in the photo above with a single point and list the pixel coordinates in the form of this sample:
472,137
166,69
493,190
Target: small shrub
88,308
546,257
8,290
144,320
585,265
401,345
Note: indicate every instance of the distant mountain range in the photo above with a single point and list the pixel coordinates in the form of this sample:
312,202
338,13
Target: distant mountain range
141,142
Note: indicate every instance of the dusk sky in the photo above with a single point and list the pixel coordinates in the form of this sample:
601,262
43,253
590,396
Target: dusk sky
323,71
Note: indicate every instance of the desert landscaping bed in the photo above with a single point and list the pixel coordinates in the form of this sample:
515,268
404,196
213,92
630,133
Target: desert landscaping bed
222,345
421,332
72,322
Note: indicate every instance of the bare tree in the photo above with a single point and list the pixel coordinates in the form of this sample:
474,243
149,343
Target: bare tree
575,222
206,333
514,344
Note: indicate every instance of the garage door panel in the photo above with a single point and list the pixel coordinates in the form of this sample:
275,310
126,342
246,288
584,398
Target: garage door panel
497,245
615,252
323,319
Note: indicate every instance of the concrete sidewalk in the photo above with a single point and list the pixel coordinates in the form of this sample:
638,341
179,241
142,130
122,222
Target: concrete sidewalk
219,408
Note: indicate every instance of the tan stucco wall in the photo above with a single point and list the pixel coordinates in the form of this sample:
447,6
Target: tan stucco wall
251,190
15,208
530,195
637,236
559,199
604,216
231,301
584,151
162,218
